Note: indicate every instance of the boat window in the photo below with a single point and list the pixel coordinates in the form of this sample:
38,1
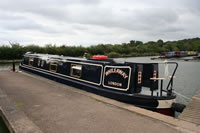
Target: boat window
31,61
42,63
76,70
53,66
39,62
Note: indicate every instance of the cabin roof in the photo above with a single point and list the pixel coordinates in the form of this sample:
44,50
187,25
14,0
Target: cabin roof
49,56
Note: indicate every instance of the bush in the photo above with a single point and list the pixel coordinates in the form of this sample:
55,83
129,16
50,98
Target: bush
114,55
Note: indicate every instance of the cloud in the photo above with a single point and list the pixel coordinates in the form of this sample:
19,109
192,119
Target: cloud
97,21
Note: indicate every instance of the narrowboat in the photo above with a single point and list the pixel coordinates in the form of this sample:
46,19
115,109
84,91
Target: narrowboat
183,53
167,54
134,83
192,53
176,54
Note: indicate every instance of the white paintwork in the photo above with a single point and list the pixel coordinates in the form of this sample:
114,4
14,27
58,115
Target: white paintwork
165,103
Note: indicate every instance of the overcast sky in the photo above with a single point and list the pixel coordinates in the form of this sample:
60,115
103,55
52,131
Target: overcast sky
87,22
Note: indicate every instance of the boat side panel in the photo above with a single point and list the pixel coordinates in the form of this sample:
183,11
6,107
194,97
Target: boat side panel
26,60
117,77
89,73
148,72
92,73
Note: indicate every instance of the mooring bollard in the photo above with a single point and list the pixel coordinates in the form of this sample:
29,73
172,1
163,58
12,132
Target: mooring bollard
13,63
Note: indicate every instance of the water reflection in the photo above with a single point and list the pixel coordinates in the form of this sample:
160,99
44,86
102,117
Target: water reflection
7,66
3,128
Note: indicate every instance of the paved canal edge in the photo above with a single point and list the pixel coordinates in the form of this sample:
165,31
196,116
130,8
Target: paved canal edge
15,119
180,125
18,122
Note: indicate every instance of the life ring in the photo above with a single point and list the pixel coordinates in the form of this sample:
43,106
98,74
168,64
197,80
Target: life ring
100,57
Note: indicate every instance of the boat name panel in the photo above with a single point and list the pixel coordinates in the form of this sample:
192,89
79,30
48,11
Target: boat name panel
117,77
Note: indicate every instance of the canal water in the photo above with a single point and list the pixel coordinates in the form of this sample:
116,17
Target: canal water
7,66
3,128
186,82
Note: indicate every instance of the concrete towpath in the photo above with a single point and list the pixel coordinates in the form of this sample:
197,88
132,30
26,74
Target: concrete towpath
58,108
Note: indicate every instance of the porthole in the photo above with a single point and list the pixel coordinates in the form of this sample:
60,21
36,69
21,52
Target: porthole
76,70
30,61
53,66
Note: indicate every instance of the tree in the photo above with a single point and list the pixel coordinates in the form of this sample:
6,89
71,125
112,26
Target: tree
160,43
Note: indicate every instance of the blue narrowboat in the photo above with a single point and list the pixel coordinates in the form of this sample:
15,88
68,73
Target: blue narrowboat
134,83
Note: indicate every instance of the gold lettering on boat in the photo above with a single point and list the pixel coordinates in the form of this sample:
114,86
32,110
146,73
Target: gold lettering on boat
117,71
114,83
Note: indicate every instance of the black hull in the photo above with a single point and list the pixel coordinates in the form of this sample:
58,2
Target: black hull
147,102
